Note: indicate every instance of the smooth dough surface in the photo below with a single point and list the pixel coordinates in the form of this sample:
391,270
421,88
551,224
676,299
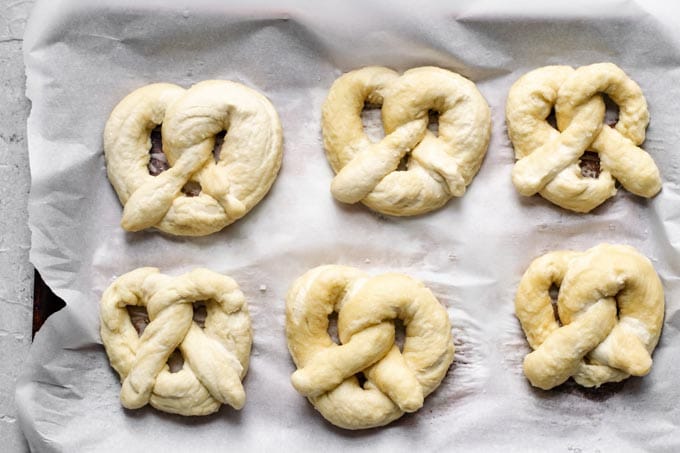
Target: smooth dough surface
548,158
215,357
232,185
610,307
396,381
438,167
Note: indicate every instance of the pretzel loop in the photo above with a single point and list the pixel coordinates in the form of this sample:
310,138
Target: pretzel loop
590,341
437,168
548,159
249,158
396,381
215,358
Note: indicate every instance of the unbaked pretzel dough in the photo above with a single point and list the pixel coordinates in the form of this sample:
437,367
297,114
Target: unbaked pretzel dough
215,358
248,163
548,159
591,341
438,167
396,382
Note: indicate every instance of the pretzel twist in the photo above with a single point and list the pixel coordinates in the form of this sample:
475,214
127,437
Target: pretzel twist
438,167
396,381
548,159
610,312
215,358
249,159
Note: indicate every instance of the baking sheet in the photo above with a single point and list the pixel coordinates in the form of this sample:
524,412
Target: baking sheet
83,57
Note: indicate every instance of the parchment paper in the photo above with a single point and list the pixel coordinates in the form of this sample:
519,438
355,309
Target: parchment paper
83,57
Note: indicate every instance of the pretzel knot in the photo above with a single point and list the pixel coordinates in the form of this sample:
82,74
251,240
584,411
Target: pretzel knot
437,167
215,358
396,382
590,341
231,185
548,159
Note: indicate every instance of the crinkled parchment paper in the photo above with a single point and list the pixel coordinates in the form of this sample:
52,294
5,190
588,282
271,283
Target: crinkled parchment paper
82,57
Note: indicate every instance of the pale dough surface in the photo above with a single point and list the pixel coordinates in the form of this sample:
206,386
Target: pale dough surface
610,307
548,158
438,167
396,381
215,357
249,159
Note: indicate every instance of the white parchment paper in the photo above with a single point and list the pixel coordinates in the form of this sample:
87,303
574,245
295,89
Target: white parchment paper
82,57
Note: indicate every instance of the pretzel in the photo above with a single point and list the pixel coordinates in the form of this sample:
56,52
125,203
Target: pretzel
438,167
548,159
396,382
589,341
249,158
215,358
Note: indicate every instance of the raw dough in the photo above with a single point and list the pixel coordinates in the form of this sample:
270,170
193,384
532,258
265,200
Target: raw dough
590,342
396,382
438,167
215,358
248,163
548,159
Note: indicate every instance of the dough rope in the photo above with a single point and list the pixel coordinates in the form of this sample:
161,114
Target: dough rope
249,159
590,341
215,358
548,159
396,382
438,168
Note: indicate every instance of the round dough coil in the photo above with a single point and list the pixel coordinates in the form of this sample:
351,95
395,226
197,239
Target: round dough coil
610,309
396,381
248,163
438,167
548,159
215,358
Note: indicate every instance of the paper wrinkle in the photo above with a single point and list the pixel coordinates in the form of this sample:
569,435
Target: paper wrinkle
83,57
